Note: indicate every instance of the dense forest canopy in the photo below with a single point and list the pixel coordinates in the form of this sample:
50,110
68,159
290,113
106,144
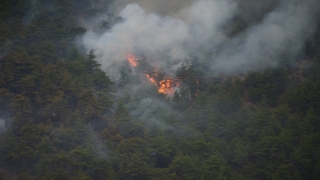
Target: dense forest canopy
207,89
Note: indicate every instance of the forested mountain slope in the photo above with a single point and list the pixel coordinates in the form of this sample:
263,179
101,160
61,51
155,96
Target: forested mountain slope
62,117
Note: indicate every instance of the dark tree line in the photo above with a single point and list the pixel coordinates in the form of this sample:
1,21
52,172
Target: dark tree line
61,121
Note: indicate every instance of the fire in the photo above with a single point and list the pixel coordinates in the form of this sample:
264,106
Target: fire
152,80
166,86
132,59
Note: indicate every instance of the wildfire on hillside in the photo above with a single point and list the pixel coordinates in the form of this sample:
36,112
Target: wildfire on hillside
165,85
152,80
132,59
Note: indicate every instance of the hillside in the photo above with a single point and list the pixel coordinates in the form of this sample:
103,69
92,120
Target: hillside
64,115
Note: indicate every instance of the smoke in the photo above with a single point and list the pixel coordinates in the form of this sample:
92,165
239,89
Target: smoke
253,11
283,31
2,125
200,29
163,7
164,41
151,111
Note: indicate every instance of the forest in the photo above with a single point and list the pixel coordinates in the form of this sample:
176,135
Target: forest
63,117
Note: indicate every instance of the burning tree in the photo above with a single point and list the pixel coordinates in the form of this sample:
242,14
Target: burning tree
165,84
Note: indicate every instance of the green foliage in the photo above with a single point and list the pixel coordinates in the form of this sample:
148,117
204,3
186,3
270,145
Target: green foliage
185,167
270,84
58,119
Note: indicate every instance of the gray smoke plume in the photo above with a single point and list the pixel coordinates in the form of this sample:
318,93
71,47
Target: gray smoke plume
200,29
164,41
283,31
163,7
2,125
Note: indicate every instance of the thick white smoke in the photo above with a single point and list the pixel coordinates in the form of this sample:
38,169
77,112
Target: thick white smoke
282,32
163,7
163,40
199,30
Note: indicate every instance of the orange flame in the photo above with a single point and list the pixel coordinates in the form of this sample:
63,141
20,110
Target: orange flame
151,79
132,59
166,86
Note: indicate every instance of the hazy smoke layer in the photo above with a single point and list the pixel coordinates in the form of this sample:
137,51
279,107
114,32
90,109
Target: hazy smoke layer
163,7
200,29
163,40
252,11
2,125
282,32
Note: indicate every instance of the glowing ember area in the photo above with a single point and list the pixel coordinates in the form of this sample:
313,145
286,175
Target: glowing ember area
152,80
132,59
166,86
